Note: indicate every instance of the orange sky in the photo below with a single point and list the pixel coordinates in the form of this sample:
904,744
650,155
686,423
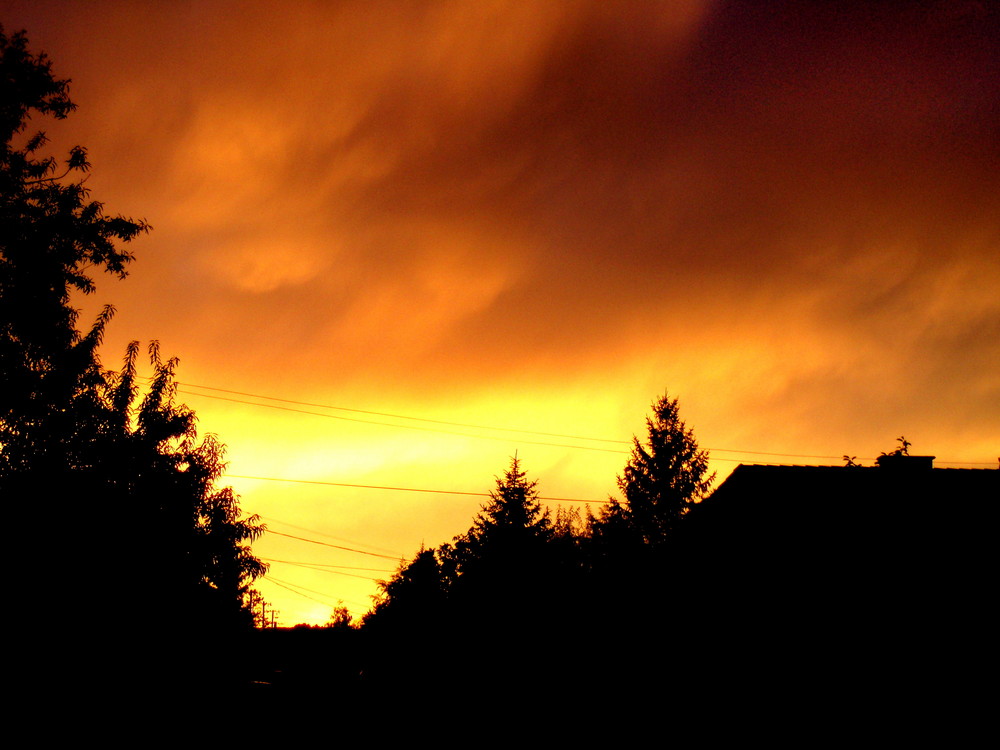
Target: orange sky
541,215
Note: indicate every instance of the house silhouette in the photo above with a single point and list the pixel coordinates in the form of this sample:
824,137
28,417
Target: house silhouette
881,578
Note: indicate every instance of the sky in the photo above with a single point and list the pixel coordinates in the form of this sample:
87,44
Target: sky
395,243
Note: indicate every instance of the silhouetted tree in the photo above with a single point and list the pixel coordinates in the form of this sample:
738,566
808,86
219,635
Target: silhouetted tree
413,597
662,479
50,235
498,557
508,538
569,531
513,517
492,585
115,488
196,545
340,618
639,562
405,629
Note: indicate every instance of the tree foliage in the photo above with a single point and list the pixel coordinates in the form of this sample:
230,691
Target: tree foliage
84,457
413,598
489,584
661,481
51,234
198,540
340,618
502,555
507,536
518,578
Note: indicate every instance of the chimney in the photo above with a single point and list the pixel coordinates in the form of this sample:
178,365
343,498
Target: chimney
897,462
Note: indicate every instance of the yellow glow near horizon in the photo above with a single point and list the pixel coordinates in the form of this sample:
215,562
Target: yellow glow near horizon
538,216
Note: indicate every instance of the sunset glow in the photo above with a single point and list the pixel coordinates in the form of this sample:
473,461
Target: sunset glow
396,243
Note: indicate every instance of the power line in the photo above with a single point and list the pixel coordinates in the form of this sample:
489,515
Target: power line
327,565
295,590
319,567
400,489
335,546
299,589
407,426
459,434
271,519
490,427
398,416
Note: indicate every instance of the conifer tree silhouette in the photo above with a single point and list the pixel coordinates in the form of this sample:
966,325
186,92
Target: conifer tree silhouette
662,479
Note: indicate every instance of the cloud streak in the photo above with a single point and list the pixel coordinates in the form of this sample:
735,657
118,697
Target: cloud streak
787,214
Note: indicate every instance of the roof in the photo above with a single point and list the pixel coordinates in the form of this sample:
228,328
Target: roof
910,479
828,576
823,517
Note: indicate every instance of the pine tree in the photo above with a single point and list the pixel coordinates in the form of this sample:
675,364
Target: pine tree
413,598
508,536
662,479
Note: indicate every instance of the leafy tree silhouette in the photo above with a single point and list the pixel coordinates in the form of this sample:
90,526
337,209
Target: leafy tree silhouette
340,618
197,546
113,486
50,235
902,450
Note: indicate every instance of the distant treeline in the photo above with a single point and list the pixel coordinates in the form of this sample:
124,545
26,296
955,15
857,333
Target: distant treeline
525,593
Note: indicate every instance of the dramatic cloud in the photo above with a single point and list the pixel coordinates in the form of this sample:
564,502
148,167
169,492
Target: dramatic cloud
540,216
